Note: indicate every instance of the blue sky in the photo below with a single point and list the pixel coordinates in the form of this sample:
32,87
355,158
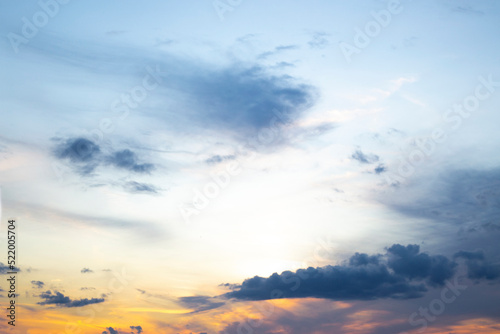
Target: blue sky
333,162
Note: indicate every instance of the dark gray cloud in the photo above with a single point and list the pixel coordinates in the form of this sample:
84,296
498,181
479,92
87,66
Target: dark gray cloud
84,154
4,269
477,255
58,299
200,303
400,274
136,328
463,202
380,169
243,100
38,284
126,159
85,157
478,267
86,271
78,150
331,282
409,262
364,158
111,331
361,259
482,270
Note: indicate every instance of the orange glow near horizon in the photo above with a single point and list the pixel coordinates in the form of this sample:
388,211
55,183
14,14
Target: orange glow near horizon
270,314
470,326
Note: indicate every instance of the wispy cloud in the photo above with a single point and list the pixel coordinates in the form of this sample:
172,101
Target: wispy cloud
126,159
201,303
277,50
38,284
364,158
319,40
140,188
142,227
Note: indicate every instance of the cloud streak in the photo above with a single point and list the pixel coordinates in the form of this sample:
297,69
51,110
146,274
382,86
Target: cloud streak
140,188
201,303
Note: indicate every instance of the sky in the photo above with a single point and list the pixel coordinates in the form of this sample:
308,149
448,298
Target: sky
257,167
